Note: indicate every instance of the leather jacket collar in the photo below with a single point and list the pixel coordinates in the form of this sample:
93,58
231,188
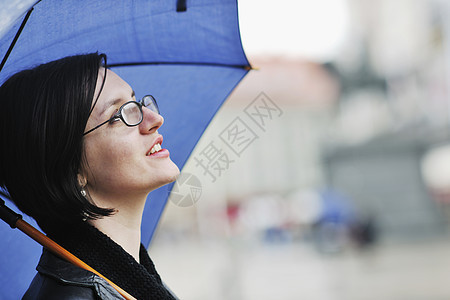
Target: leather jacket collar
58,278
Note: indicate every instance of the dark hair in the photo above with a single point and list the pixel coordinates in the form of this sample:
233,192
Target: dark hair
44,115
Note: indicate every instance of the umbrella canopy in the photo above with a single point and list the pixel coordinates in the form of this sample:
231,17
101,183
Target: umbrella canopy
188,55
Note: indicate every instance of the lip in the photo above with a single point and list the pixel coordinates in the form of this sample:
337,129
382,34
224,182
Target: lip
161,154
158,140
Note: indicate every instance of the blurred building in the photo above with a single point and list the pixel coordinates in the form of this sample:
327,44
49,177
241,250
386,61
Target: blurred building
360,123
320,152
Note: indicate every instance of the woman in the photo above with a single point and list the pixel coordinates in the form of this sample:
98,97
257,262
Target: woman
81,157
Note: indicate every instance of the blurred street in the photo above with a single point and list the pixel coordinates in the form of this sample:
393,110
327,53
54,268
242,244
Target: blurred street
326,174
395,271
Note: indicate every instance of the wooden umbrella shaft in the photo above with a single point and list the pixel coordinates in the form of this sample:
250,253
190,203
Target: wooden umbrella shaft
63,253
15,220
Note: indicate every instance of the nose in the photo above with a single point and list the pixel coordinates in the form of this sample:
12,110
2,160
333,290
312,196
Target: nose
151,121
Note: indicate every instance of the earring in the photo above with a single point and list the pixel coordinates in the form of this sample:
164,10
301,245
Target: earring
83,192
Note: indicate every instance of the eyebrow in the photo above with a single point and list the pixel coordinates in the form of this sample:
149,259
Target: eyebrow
113,102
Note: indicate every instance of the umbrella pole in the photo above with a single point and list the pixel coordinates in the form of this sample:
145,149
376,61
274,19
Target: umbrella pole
15,220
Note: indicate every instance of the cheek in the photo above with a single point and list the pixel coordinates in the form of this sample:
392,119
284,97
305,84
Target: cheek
107,156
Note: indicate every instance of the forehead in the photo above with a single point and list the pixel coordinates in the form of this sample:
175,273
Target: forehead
114,90
114,85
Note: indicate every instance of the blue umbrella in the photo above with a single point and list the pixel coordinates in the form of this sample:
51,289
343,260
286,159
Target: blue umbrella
187,54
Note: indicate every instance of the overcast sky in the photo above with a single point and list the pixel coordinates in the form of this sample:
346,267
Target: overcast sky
300,28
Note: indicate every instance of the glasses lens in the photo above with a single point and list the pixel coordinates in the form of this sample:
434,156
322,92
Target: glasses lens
131,113
150,102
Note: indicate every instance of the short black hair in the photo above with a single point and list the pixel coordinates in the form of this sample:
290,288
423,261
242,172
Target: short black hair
44,111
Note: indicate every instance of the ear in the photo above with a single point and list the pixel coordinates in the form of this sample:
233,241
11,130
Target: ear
82,181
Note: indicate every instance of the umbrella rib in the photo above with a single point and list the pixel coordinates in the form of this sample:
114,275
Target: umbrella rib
16,37
245,67
4,195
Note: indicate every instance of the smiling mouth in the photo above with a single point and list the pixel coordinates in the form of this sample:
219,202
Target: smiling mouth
155,148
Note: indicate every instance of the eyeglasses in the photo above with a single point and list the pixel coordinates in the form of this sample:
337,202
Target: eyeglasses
131,112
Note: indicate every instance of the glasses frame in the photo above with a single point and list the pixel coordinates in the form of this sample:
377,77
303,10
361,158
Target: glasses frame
118,114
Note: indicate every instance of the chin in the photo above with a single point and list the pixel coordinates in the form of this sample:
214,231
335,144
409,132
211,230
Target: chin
169,175
175,171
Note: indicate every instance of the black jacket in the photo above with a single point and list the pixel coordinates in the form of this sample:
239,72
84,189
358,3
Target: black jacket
60,280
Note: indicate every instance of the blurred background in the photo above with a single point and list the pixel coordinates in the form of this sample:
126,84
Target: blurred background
326,175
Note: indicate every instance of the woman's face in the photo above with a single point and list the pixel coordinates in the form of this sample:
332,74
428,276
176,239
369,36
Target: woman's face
118,160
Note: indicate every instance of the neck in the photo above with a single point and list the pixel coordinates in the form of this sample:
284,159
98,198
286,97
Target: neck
124,226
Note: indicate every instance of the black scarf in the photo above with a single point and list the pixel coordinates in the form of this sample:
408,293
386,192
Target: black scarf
104,255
